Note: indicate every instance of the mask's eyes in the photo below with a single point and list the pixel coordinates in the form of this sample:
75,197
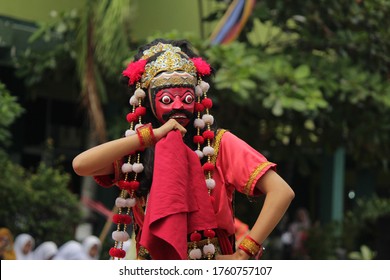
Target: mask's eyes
166,99
189,99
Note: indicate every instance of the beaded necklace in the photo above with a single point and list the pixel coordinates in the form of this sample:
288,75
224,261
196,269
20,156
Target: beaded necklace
141,74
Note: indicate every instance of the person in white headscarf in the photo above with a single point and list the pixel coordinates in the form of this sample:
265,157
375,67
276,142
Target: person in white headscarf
71,250
24,246
89,249
46,251
92,247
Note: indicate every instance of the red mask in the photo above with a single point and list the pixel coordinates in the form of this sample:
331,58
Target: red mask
177,103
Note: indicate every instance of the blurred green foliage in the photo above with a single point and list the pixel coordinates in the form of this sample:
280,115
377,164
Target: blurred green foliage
346,46
37,201
9,111
365,253
361,223
356,237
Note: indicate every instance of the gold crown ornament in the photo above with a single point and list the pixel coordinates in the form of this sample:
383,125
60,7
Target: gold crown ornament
172,59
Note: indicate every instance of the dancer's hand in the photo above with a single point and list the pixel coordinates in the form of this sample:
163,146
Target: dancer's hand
238,255
170,125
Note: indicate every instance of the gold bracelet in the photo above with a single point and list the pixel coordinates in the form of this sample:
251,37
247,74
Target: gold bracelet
146,135
250,246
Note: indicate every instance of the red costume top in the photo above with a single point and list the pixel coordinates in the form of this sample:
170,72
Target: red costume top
237,168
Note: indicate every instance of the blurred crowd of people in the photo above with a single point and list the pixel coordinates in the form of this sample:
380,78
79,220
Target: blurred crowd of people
23,248
292,236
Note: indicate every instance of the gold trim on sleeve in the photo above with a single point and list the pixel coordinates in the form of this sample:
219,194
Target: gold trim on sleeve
216,145
254,174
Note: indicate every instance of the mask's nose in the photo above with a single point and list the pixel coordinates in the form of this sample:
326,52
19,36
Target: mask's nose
177,103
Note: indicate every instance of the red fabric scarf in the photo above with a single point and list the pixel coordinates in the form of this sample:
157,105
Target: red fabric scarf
178,202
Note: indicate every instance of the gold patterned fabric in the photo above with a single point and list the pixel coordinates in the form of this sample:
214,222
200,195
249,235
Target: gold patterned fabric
143,253
250,246
146,136
171,59
173,79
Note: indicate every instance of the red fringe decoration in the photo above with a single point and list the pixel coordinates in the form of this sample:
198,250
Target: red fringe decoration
199,107
209,233
207,102
121,219
198,139
202,66
129,186
208,166
131,117
134,71
195,236
140,111
208,134
117,253
134,185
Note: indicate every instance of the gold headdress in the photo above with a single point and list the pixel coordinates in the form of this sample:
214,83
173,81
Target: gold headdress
172,59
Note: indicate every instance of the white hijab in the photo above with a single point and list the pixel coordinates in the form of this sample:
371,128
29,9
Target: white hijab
88,243
20,241
46,251
71,250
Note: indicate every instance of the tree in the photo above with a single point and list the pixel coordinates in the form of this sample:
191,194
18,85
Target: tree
9,110
345,45
88,46
37,202
94,42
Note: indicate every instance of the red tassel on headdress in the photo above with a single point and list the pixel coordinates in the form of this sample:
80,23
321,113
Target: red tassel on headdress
134,71
202,67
